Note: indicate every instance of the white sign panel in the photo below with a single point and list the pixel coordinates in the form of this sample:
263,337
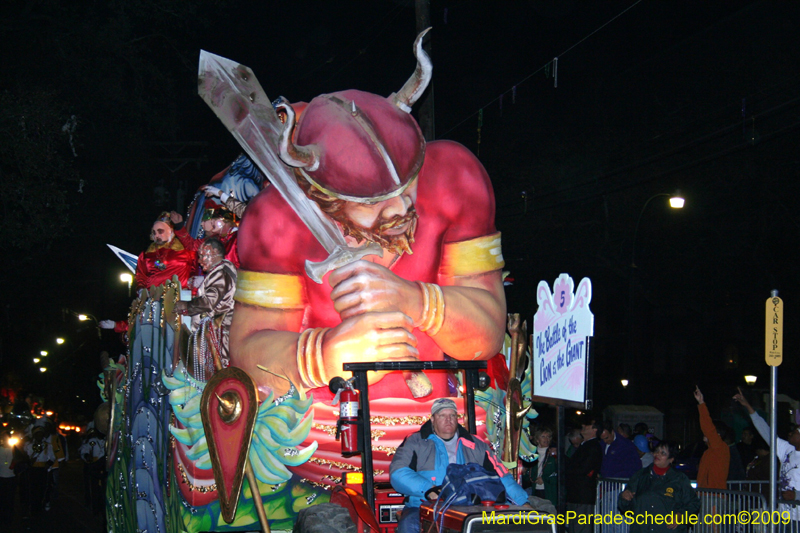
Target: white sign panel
561,328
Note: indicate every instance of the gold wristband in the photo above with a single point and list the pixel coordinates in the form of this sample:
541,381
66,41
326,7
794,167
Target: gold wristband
310,365
432,308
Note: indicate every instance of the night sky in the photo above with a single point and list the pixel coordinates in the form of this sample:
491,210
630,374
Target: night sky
651,96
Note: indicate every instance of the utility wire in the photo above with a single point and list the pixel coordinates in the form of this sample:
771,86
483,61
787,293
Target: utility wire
529,76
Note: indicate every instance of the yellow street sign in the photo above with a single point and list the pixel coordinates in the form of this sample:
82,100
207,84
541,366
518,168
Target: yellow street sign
774,331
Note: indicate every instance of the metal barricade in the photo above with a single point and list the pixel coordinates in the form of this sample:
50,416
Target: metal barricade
793,507
608,490
719,509
730,511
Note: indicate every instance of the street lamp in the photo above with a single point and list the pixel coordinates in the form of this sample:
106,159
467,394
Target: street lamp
676,201
42,369
750,379
126,277
83,317
624,383
43,353
36,360
59,341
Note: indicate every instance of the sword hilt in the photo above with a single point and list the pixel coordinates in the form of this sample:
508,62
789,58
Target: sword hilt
341,256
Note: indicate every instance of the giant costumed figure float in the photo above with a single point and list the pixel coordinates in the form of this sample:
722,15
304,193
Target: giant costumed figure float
372,245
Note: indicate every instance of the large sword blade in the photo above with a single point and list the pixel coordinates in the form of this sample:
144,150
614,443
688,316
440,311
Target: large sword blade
237,98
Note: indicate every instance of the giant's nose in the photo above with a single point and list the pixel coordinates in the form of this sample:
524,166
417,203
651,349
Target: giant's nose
397,206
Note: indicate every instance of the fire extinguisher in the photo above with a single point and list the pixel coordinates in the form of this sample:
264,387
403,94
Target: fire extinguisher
347,425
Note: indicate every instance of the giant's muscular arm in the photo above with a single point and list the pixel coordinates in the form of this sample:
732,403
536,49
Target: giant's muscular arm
475,306
265,337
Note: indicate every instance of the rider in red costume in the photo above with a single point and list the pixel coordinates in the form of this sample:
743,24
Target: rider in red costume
437,289
164,258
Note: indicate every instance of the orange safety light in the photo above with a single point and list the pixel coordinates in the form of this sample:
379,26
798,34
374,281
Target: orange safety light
354,478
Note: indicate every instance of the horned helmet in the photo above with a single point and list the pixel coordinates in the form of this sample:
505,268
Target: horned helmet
359,146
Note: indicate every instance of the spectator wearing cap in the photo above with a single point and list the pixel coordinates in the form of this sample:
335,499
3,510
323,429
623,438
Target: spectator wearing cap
643,445
420,463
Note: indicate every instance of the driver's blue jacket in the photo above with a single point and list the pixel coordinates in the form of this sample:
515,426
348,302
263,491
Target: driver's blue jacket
420,464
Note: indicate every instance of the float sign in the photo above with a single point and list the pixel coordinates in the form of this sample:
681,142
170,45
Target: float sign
562,327
774,332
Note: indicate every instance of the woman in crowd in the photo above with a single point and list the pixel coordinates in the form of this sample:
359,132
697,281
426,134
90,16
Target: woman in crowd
660,490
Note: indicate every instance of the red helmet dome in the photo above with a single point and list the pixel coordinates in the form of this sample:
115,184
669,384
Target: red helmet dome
359,146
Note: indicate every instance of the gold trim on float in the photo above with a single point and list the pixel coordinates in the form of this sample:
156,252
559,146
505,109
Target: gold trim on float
264,289
370,200
476,256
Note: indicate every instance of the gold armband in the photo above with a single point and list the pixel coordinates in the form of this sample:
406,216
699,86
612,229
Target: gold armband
473,257
309,358
432,308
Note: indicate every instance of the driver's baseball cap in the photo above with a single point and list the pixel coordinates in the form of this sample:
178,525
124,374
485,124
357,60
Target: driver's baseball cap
443,403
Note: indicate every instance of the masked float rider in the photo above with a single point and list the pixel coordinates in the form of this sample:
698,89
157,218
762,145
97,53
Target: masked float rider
437,289
165,257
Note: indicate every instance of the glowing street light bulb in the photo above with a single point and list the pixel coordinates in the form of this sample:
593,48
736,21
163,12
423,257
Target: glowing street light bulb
83,318
36,359
43,353
126,278
42,369
59,341
624,382
676,200
750,380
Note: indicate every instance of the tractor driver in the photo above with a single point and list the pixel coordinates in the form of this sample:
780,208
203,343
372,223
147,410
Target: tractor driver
418,468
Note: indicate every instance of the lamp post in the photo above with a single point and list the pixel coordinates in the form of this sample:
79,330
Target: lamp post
676,201
126,277
84,317
750,380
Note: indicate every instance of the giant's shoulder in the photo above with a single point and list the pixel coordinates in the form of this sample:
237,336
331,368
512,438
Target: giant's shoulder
454,186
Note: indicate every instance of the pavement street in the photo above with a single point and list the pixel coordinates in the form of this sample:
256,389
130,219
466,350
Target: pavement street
67,514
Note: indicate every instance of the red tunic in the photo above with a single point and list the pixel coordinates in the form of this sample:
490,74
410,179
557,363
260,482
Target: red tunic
455,202
176,261
229,241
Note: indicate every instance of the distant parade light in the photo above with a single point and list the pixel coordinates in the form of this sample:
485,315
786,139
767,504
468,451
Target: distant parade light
13,441
59,341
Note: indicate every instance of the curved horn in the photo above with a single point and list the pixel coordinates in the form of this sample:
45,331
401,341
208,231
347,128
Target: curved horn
418,81
292,155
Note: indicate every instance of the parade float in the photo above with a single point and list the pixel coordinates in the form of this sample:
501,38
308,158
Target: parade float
197,445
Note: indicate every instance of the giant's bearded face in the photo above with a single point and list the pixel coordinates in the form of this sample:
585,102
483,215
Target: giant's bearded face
390,223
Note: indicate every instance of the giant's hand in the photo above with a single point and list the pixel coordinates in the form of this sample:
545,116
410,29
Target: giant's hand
364,287
369,337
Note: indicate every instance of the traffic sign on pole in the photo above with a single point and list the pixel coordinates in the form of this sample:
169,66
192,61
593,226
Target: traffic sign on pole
774,330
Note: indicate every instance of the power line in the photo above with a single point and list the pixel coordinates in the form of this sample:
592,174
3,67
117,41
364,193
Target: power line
546,65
